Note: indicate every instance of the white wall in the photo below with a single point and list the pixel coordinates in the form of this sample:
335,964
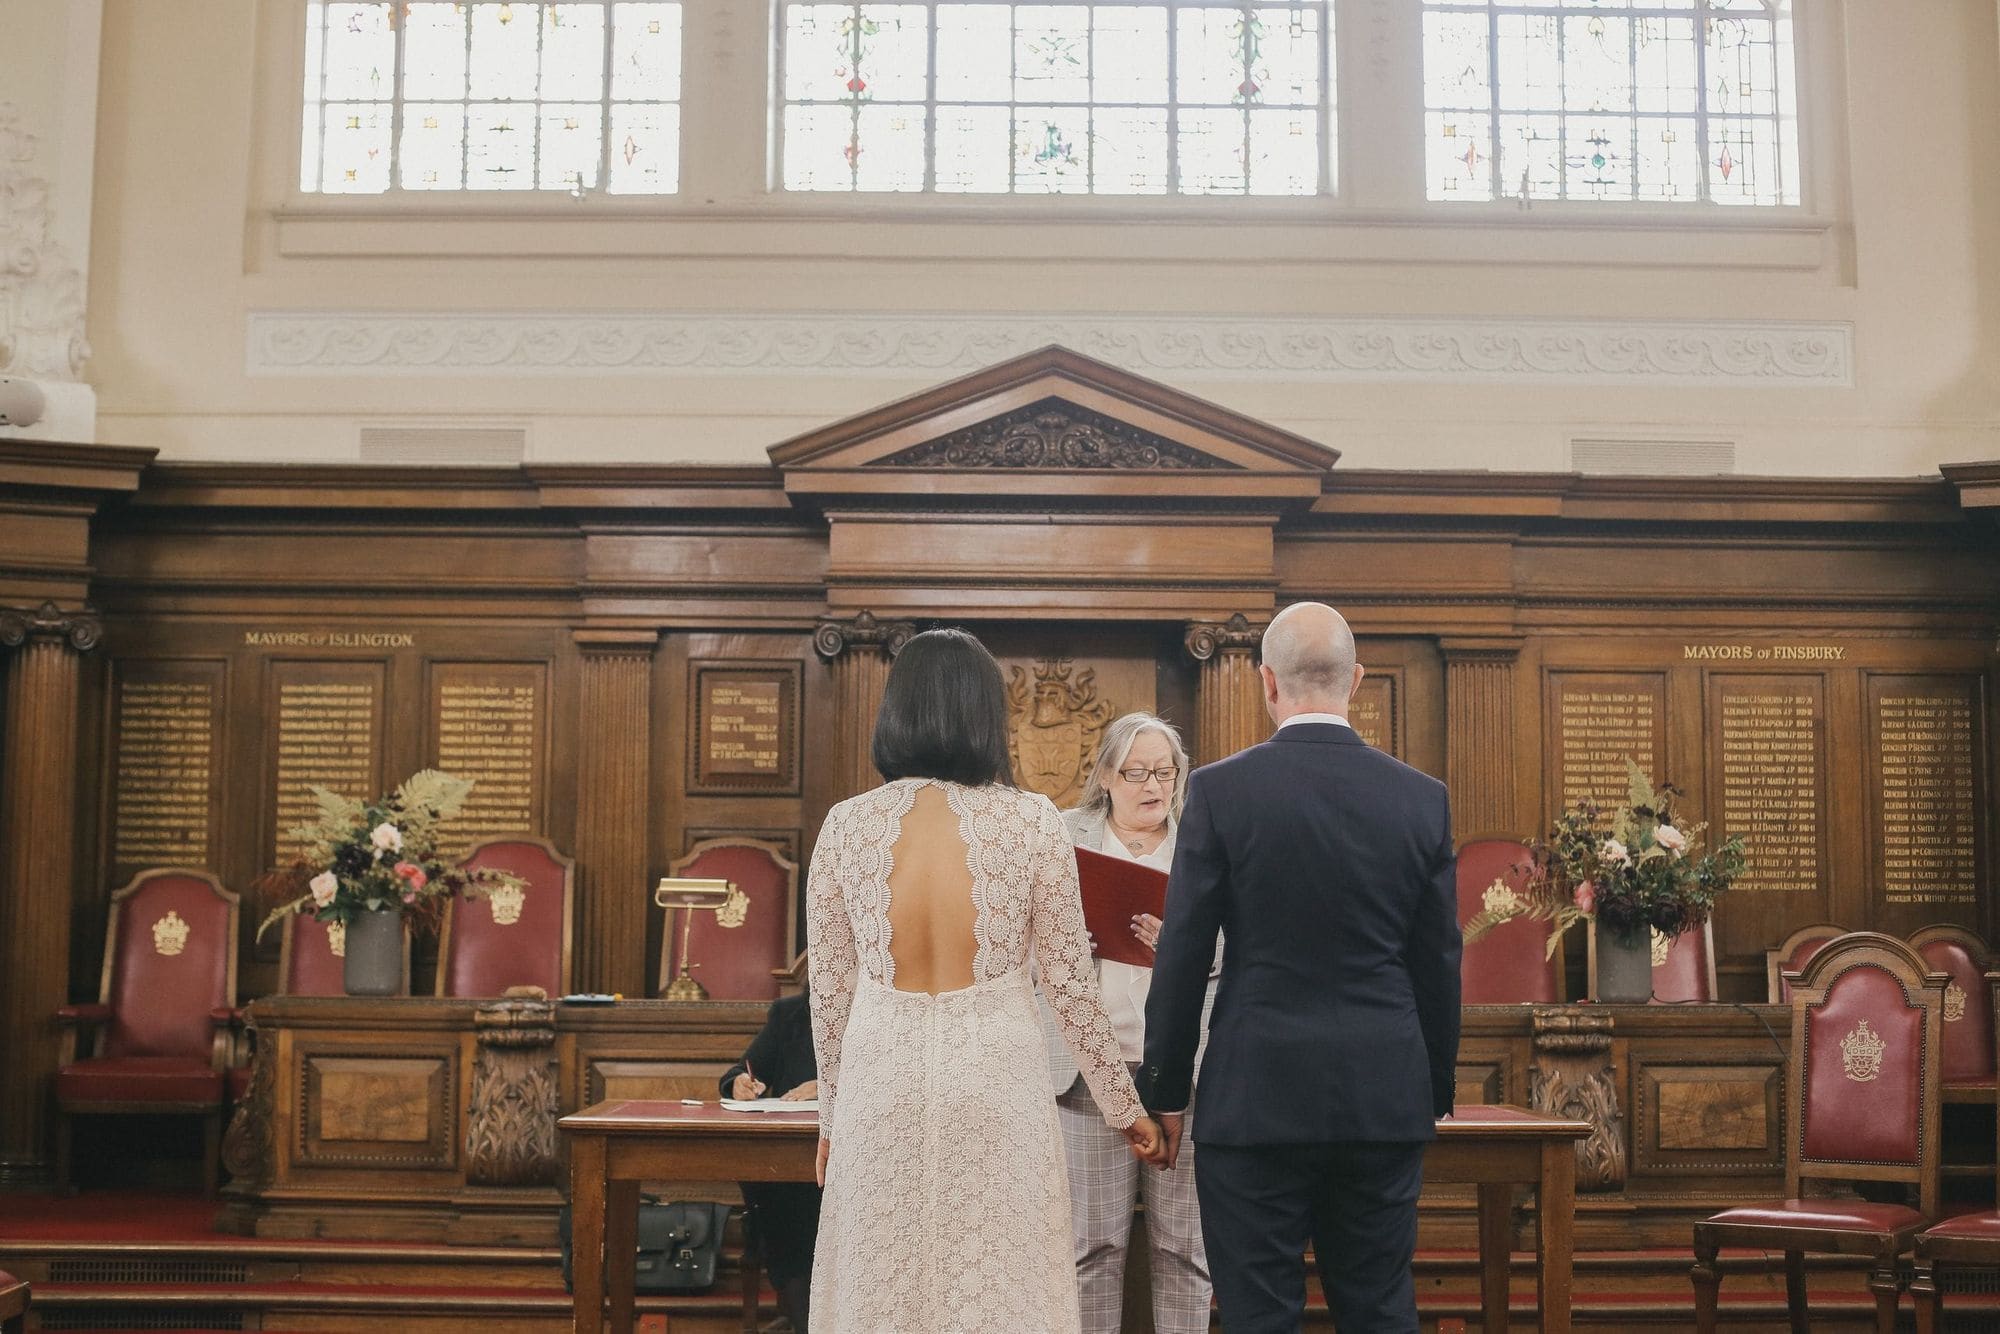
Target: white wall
48,130
233,319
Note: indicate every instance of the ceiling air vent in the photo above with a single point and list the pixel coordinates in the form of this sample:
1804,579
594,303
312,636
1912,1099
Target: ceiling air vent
1680,458
444,446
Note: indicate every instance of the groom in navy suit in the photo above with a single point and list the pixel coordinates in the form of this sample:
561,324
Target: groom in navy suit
1329,866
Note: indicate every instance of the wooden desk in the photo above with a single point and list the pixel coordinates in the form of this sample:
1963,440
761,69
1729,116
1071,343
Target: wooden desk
615,1145
1494,1146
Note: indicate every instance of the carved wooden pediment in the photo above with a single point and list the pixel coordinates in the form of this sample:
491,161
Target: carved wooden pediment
1051,434
1054,424
1055,481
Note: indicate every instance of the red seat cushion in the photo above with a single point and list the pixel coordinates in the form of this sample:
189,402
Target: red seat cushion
139,1079
1983,1226
1830,1215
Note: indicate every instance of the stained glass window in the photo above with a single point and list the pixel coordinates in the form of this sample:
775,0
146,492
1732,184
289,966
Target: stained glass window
1690,101
1107,97
573,96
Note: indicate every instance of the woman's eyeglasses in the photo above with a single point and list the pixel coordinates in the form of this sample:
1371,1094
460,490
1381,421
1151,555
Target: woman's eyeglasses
1138,776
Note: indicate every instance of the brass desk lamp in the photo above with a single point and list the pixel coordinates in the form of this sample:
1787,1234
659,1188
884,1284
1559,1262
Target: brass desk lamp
721,897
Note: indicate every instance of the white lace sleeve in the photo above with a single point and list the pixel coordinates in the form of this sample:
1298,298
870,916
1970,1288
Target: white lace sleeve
1062,953
831,958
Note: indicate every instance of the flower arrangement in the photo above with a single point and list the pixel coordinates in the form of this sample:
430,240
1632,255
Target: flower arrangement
1641,872
380,856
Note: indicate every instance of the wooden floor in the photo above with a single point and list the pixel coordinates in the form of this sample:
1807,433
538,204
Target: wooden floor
133,1261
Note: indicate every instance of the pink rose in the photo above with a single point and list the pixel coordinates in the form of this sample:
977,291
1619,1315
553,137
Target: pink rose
1586,897
323,887
1672,839
413,874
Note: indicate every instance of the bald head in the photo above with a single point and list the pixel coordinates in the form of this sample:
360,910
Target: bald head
1309,655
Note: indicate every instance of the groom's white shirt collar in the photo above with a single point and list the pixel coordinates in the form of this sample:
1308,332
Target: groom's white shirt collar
1333,718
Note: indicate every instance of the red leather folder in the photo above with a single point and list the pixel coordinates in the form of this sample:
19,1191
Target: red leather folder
1115,890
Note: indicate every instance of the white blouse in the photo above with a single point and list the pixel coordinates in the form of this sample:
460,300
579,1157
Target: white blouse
1125,985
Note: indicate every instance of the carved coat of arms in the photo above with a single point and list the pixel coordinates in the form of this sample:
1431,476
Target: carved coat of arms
1954,1002
1861,1053
170,934
506,902
1054,720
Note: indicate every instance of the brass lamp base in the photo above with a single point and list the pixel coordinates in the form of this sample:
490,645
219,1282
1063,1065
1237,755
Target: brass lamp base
685,988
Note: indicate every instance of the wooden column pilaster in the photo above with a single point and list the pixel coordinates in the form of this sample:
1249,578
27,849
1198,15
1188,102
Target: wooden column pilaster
859,649
1480,746
1229,707
613,790
42,651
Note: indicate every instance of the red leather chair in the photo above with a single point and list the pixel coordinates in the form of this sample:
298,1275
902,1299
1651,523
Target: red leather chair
165,1016
1861,1105
1792,955
1510,964
746,961
1683,969
1968,1010
13,1304
511,940
1969,1239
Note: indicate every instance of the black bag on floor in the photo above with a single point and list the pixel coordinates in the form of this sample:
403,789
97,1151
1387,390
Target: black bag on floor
679,1245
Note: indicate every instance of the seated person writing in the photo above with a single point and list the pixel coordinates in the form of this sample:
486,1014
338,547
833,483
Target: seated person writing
784,1216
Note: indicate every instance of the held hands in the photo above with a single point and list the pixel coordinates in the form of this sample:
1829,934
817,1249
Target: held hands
1147,928
1149,1144
1170,1129
819,1162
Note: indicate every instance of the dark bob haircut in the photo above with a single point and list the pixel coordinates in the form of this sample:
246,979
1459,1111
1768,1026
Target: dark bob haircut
944,713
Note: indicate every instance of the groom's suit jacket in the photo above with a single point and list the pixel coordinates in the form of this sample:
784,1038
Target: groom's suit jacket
1330,866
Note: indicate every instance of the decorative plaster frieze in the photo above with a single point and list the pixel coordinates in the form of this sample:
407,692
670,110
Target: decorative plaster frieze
1755,354
41,288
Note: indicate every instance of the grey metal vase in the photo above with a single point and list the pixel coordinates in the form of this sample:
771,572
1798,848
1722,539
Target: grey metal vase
374,964
1624,969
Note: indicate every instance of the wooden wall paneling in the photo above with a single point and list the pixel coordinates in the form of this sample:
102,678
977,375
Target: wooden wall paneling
1766,778
614,791
489,721
1989,901
1926,856
1065,685
859,650
163,725
1176,683
772,807
651,1049
325,724
1534,792
1230,703
1480,729
1711,1117
39,799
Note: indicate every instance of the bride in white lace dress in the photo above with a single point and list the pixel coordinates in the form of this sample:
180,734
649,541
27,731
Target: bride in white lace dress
947,1205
